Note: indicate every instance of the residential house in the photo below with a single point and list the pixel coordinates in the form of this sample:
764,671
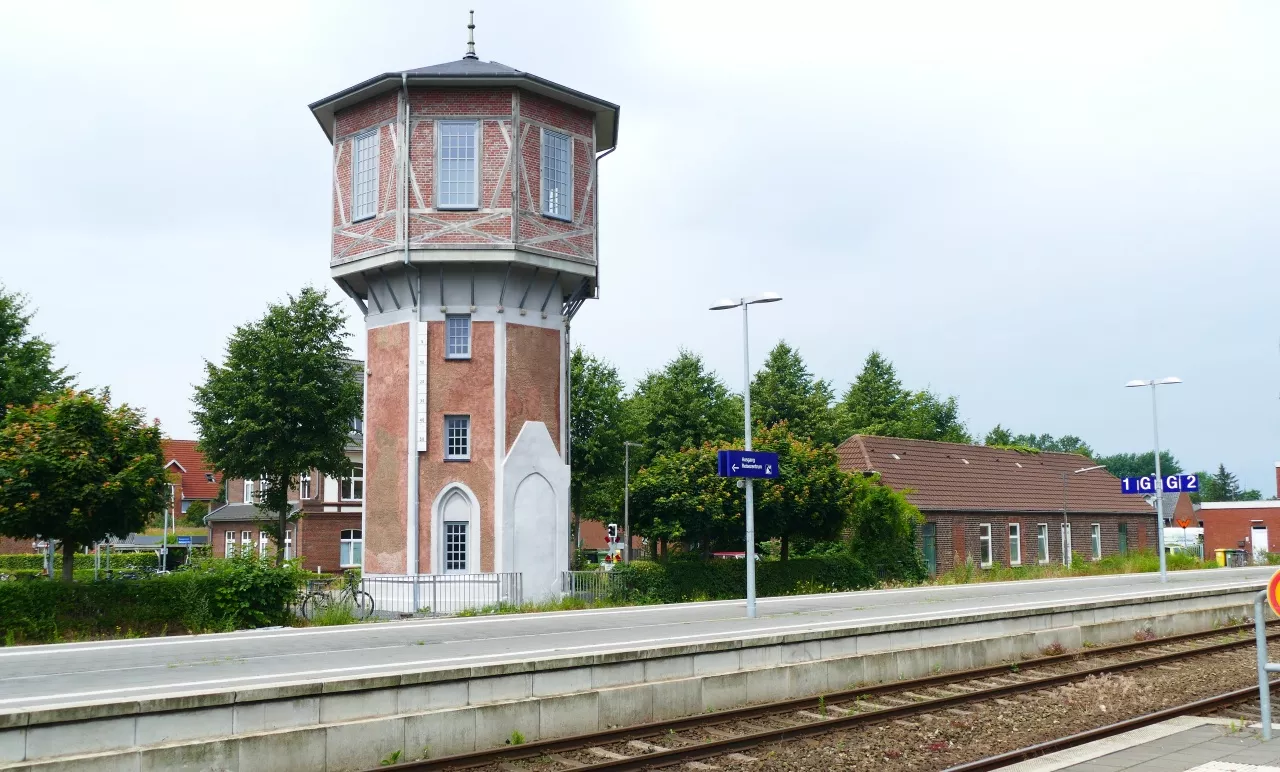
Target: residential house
191,479
992,506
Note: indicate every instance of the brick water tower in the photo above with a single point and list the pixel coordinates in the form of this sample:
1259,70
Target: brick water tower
464,227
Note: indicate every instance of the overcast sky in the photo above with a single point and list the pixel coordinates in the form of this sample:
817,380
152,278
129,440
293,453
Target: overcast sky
1021,206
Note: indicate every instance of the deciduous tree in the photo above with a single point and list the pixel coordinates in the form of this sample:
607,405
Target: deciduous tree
679,497
76,470
597,428
1139,464
282,402
26,361
811,498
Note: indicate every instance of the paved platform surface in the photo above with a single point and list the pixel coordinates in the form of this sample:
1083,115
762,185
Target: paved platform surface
1186,744
75,673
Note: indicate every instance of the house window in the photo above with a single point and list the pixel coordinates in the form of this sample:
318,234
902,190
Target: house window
1042,543
1095,536
351,548
364,175
262,543
459,182
455,547
352,488
246,542
357,425
1122,532
1015,544
304,485
557,184
248,491
457,437
457,336
288,544
231,544
984,544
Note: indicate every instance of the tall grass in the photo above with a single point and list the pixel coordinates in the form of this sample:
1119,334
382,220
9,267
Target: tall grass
1130,563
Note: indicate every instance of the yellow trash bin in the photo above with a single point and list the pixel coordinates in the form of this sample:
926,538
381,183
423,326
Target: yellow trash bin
1221,555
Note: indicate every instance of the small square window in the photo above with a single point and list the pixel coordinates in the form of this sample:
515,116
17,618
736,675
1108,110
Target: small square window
457,336
457,437
557,180
351,548
364,175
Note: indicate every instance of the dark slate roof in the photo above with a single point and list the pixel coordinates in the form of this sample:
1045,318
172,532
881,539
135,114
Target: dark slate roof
471,72
953,477
238,512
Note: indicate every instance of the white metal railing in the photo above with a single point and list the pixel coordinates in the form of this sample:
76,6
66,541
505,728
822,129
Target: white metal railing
590,585
441,594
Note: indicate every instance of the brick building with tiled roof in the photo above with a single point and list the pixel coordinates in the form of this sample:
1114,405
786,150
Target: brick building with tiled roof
192,478
996,506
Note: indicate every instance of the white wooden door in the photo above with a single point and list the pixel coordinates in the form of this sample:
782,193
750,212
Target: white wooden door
1258,536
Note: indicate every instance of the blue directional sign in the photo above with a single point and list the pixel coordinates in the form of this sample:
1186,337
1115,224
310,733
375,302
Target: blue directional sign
184,539
1174,483
746,463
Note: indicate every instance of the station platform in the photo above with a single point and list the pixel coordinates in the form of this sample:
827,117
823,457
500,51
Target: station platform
1185,744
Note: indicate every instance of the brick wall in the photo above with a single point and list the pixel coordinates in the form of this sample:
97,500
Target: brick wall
1232,528
10,546
316,537
959,536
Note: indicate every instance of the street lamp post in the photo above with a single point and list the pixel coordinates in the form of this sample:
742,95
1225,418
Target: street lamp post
727,303
626,499
1066,525
1155,429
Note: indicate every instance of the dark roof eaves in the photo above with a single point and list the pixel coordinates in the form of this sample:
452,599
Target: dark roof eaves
514,78
1022,510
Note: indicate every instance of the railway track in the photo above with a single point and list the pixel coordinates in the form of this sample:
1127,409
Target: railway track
727,734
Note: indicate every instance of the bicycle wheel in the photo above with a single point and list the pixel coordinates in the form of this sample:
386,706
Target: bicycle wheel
363,604
314,605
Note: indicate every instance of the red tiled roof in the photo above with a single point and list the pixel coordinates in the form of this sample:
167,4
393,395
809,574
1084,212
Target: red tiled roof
947,476
194,483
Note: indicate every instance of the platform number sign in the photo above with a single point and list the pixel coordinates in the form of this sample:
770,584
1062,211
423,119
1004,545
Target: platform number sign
1174,483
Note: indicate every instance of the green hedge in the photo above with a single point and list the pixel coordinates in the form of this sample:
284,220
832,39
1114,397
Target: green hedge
679,581
216,595
119,561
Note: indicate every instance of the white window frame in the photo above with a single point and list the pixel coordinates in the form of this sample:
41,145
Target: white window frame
458,421
567,191
304,485
1015,544
246,542
465,528
1095,540
475,201
365,210
230,543
347,485
357,425
449,352
1042,543
248,491
351,547
984,540
288,544
263,538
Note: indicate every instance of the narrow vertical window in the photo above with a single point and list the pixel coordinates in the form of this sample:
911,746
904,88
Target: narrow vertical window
351,548
246,542
455,547
1095,533
557,182
352,487
262,543
457,437
230,548
357,425
304,485
364,175
984,544
458,185
457,336
1122,531
1015,544
1042,543
248,491
288,544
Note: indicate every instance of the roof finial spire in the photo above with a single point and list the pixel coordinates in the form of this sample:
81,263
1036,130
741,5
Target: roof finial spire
471,38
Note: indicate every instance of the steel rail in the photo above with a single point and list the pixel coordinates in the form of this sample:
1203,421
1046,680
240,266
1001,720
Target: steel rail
1080,738
542,747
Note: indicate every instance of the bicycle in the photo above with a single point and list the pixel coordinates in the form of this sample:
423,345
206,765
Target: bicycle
321,596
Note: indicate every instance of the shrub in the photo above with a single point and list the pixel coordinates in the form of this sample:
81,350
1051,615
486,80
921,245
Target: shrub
119,561
679,581
233,594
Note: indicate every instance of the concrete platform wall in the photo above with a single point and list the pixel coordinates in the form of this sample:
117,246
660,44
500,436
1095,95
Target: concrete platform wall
354,725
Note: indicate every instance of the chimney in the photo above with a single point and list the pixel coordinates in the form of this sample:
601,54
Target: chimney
1278,478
